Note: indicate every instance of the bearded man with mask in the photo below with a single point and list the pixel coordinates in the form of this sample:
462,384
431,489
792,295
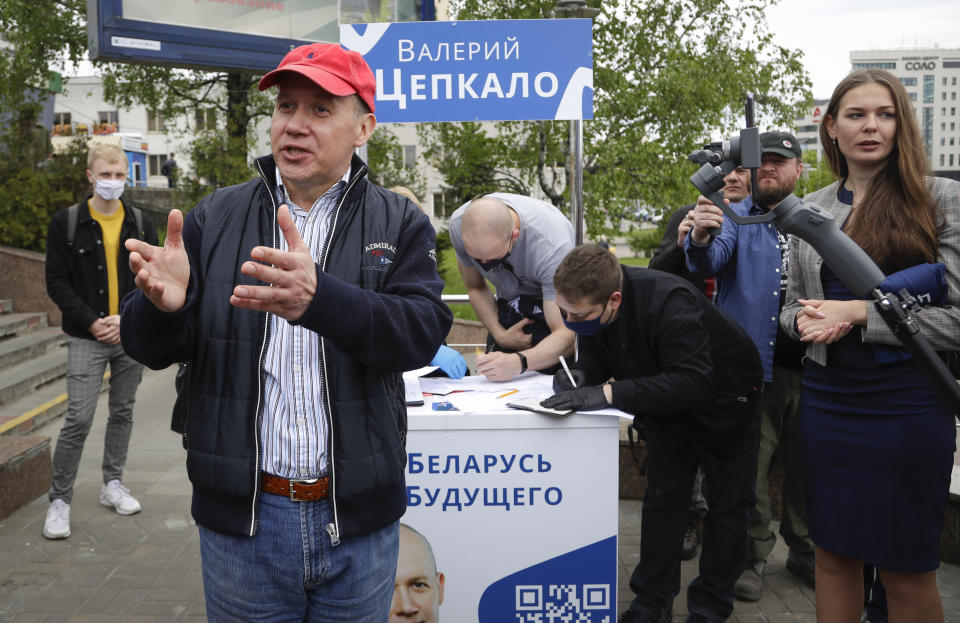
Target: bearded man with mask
87,276
652,345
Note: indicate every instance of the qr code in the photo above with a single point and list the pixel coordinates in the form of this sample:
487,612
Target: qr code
563,603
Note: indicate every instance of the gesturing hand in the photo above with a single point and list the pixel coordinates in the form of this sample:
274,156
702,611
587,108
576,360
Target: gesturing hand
292,275
162,273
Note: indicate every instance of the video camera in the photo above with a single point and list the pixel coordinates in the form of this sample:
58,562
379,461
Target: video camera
791,216
817,227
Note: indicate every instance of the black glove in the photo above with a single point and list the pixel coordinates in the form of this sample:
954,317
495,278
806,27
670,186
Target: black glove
582,399
561,382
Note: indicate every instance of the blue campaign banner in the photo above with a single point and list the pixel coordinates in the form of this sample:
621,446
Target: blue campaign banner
496,70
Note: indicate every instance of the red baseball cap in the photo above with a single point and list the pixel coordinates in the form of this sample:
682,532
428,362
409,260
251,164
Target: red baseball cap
329,66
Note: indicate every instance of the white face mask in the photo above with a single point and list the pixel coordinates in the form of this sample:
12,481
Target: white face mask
109,189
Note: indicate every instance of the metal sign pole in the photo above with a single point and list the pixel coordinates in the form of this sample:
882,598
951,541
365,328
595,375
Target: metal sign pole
576,187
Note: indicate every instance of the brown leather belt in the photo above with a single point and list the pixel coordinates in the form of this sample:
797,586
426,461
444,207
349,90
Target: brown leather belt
297,489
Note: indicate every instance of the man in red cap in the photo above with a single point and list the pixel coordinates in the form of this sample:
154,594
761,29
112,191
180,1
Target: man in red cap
297,299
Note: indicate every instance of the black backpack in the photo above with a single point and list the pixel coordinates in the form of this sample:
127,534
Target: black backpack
73,213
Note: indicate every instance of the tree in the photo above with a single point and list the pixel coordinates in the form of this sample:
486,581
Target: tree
34,38
385,159
816,174
38,36
220,158
668,75
32,194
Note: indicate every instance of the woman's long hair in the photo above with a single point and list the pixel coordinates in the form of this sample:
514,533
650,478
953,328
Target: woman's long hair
896,222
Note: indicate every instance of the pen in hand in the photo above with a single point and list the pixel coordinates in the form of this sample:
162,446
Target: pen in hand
563,362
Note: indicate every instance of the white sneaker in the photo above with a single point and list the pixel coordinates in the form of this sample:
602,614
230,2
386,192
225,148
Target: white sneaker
57,523
117,496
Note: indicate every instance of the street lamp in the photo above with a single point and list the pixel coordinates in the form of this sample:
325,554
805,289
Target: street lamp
573,9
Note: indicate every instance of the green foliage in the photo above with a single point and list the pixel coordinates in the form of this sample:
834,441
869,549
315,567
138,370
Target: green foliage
41,36
34,191
47,35
453,283
448,272
219,161
385,159
644,241
668,75
815,174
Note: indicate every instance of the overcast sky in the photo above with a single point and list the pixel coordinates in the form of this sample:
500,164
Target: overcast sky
827,30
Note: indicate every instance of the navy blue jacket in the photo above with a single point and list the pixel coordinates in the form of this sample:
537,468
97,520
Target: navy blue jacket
373,319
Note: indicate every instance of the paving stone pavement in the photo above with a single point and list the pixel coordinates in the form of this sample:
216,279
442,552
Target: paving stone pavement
145,568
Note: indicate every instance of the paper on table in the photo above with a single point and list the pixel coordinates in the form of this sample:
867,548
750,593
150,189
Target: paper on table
439,386
411,388
421,371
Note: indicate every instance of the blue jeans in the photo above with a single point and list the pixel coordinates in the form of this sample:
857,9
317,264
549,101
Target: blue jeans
275,576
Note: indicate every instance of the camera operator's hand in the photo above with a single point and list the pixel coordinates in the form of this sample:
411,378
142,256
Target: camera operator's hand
686,224
704,217
584,399
561,382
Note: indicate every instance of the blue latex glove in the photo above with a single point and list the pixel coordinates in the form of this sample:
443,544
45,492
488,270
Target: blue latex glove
451,362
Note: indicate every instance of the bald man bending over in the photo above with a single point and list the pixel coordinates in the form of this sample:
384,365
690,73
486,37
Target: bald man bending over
516,243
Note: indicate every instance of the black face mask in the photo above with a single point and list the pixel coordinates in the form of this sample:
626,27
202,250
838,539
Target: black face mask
492,264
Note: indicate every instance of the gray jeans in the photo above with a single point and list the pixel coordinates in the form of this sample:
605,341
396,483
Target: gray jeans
86,362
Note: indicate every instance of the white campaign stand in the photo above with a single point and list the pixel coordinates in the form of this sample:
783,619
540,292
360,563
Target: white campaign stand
520,509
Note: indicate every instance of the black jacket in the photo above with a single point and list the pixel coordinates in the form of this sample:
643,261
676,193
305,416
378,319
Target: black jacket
77,275
374,319
670,258
675,356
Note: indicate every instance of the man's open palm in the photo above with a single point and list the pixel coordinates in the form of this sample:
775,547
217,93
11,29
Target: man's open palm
163,273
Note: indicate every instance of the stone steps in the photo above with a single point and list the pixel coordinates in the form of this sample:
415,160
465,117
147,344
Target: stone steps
23,378
16,324
19,348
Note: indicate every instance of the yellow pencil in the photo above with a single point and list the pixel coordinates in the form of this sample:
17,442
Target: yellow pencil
512,391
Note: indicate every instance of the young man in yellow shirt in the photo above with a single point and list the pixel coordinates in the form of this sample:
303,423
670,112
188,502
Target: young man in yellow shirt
87,276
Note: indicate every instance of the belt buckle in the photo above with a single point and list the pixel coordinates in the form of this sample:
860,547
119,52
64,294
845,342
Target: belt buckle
300,481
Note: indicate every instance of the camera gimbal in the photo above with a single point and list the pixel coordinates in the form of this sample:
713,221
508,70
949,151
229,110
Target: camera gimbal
818,228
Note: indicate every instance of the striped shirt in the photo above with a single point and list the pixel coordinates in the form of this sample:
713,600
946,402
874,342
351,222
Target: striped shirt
294,426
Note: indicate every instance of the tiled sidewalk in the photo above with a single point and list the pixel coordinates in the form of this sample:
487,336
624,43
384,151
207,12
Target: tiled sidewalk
146,567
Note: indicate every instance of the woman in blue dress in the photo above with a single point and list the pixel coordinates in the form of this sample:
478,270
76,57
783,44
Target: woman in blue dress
878,437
